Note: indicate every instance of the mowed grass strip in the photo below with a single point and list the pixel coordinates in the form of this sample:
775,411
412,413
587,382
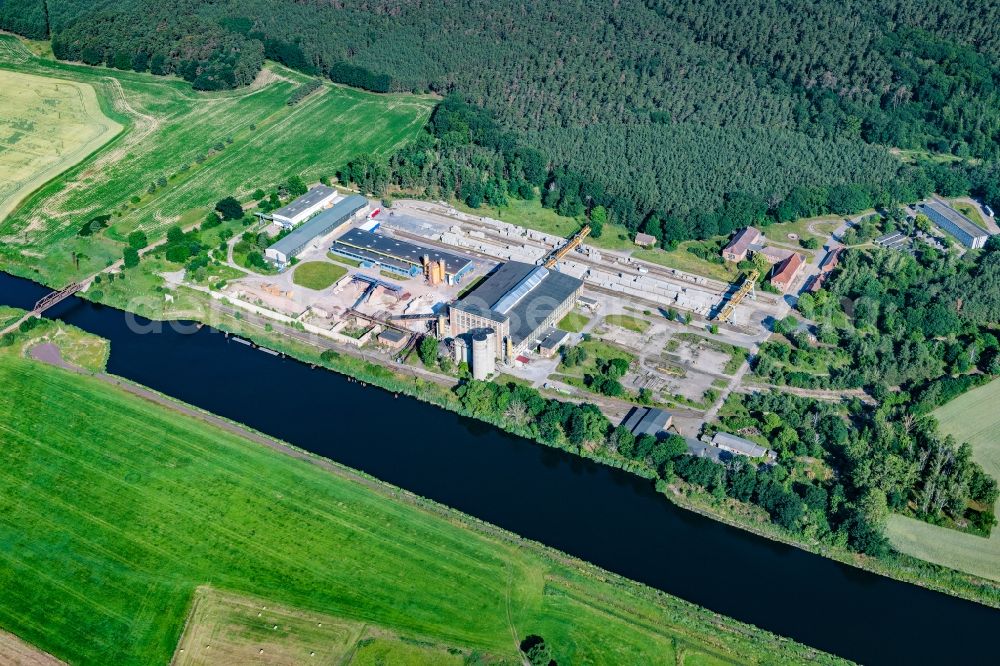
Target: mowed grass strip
115,509
317,274
973,418
226,629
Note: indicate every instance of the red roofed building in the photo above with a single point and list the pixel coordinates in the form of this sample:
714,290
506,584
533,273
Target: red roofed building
831,260
784,274
740,245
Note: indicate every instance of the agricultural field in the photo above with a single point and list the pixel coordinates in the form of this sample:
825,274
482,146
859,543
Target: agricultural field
317,274
182,151
48,125
117,509
972,418
225,629
18,653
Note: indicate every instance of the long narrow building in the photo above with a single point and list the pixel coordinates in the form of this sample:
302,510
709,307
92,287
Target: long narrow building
964,230
325,223
399,256
304,206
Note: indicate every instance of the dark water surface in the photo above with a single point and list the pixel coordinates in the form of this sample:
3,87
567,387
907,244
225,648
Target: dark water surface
599,514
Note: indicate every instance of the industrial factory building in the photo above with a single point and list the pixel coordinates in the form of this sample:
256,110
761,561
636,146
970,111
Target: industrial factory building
967,232
321,225
305,206
401,257
519,302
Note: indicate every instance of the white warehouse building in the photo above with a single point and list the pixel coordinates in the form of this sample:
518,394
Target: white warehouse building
305,206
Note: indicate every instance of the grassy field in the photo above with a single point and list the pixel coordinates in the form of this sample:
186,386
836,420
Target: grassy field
573,322
972,418
381,651
528,214
115,510
804,228
628,322
317,274
683,260
48,125
182,151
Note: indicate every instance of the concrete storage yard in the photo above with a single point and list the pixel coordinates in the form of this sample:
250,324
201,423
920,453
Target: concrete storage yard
608,273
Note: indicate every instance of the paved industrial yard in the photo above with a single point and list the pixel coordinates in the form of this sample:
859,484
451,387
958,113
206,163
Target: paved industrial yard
687,369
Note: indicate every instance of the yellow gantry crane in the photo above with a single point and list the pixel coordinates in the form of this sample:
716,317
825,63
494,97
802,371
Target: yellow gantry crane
570,245
748,284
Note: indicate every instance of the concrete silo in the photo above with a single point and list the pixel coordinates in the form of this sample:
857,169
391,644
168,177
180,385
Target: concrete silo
484,354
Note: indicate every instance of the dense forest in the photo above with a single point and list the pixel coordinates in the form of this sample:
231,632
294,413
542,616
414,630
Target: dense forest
665,107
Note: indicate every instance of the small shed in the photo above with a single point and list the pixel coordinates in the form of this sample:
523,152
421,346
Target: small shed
392,338
551,342
645,240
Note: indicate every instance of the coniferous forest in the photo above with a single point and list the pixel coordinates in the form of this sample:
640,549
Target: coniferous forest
648,108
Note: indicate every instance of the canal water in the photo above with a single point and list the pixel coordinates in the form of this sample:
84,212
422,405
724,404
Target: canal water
599,514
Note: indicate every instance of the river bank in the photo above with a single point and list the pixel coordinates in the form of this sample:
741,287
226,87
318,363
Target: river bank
613,519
